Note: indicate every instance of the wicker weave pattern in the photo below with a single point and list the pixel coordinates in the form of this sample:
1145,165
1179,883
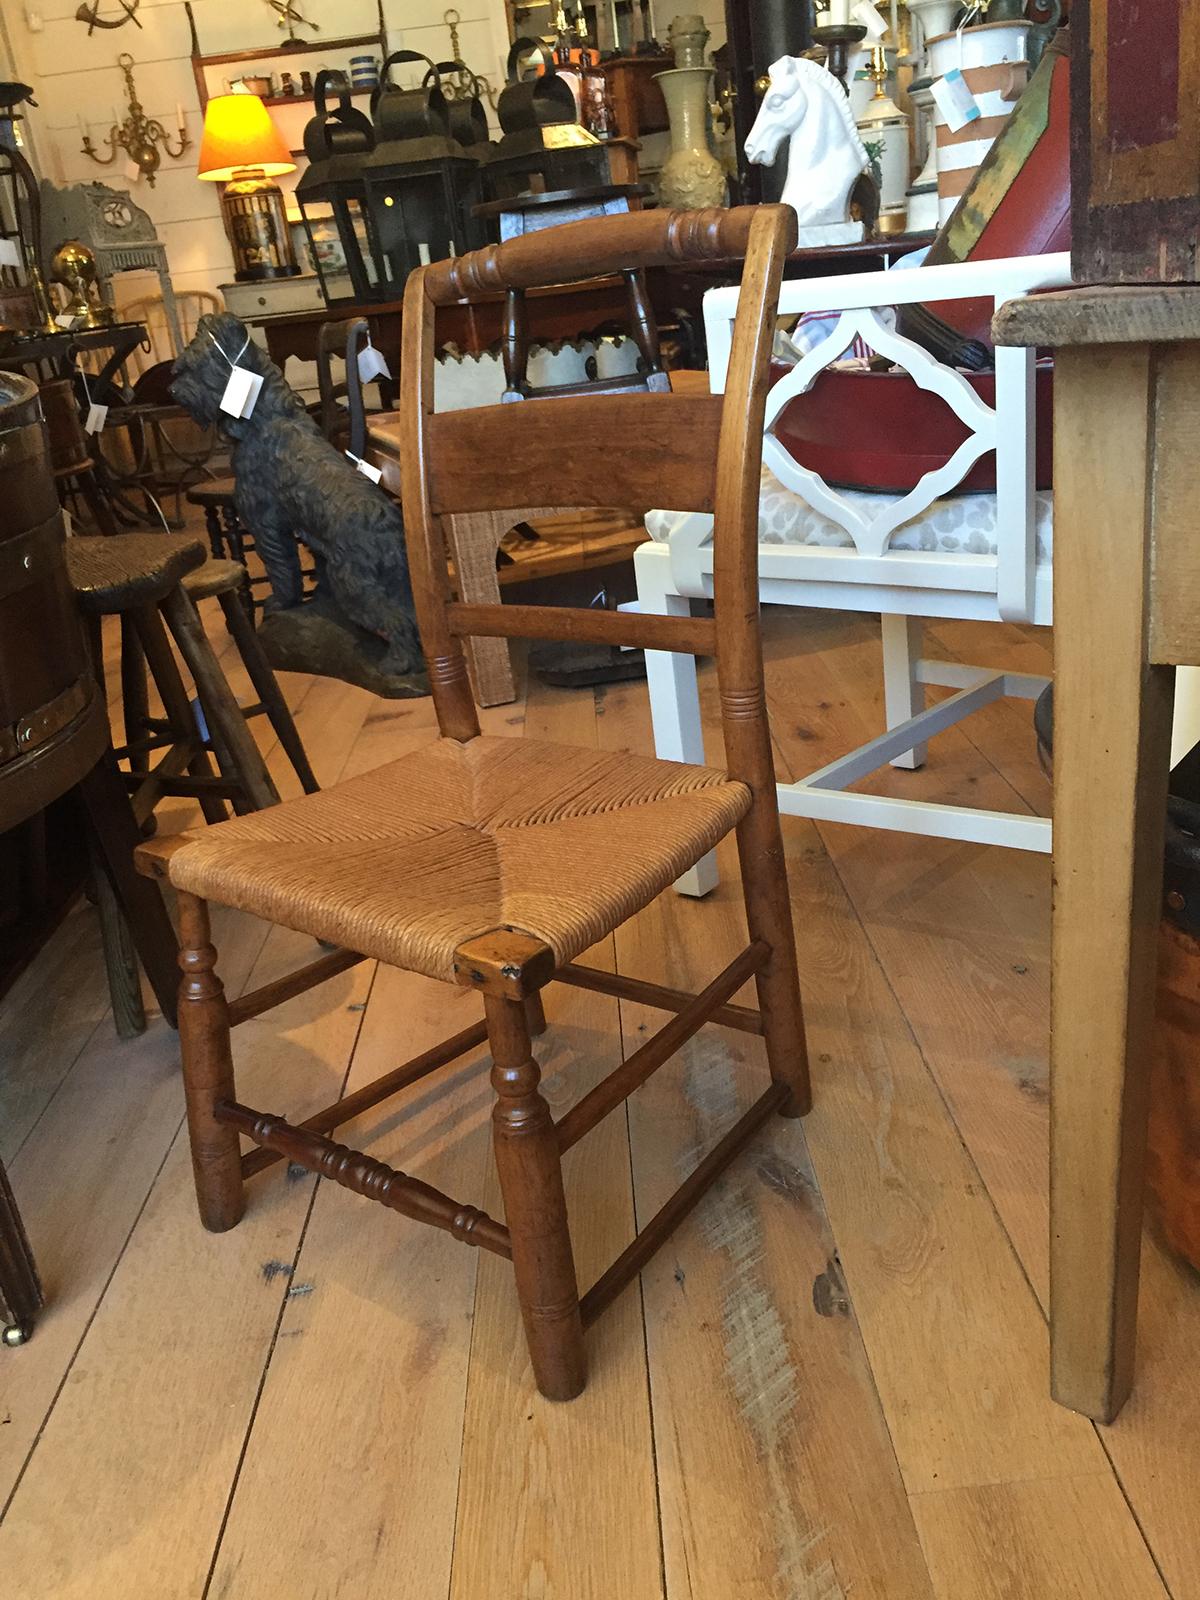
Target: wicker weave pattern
407,862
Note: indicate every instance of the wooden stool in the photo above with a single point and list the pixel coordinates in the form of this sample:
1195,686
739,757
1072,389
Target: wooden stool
140,575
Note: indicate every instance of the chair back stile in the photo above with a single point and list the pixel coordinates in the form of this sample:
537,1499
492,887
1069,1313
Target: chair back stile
628,448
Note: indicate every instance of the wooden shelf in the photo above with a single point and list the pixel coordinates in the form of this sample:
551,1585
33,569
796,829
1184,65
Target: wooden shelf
303,99
278,52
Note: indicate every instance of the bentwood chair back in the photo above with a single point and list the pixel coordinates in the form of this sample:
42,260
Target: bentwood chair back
493,863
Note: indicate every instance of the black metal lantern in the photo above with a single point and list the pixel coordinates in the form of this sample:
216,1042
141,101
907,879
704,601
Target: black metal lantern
401,189
544,145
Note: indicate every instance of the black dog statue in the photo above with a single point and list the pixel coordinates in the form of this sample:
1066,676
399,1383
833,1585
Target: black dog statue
291,484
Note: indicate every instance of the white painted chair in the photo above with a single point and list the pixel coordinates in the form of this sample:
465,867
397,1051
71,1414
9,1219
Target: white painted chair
926,553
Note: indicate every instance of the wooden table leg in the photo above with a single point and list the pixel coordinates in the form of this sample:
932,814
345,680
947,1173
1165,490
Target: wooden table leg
1111,745
20,1291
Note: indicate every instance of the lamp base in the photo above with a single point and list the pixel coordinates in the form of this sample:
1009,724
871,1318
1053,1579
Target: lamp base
257,225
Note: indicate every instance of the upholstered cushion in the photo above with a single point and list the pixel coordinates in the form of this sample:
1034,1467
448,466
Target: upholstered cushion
960,524
407,862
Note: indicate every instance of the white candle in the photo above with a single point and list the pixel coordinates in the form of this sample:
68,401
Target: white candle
82,123
180,121
839,13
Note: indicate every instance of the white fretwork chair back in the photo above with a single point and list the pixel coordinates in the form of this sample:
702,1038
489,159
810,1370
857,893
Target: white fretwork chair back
877,551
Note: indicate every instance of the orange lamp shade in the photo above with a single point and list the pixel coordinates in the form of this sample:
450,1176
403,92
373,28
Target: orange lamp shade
239,133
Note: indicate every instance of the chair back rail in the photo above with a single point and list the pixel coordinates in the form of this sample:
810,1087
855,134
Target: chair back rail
662,447
595,248
694,451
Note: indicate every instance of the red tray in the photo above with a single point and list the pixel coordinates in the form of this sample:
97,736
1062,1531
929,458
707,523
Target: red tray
910,431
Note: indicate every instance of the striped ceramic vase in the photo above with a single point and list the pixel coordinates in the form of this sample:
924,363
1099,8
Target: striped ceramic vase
992,59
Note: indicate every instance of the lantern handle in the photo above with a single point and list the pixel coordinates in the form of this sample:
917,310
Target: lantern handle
523,45
385,73
442,69
331,78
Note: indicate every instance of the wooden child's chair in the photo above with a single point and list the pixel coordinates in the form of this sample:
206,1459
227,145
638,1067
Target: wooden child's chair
493,863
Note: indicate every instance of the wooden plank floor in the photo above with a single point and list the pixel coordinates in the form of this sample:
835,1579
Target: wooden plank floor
830,1385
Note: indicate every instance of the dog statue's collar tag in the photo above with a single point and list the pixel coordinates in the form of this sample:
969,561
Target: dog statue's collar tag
371,365
241,392
365,467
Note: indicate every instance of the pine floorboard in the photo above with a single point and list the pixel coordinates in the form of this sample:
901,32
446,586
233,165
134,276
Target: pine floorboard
830,1384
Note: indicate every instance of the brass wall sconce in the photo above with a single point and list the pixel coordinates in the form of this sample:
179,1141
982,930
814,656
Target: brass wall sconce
139,135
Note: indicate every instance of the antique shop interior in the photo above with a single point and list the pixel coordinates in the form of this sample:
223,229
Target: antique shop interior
599,799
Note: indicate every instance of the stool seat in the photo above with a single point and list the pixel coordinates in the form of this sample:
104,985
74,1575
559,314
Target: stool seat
127,570
216,576
216,493
410,861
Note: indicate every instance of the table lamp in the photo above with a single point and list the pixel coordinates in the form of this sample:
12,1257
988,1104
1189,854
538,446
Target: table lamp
243,149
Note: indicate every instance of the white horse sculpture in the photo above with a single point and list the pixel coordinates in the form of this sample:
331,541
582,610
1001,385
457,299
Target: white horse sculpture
825,155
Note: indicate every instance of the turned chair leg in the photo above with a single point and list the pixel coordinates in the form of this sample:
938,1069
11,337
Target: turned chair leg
207,1071
530,1168
769,918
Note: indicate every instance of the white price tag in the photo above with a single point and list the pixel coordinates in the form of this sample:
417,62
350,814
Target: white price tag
10,255
955,100
365,467
865,14
241,392
96,418
371,364
66,319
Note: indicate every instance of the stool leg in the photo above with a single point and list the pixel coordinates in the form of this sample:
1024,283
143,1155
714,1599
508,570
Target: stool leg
135,702
216,538
110,817
535,1209
177,705
20,1291
236,539
96,501
240,758
120,958
207,1071
267,688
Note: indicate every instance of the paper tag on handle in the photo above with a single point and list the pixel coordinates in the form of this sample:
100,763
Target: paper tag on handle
374,474
66,319
371,365
241,392
96,418
10,255
955,101
865,14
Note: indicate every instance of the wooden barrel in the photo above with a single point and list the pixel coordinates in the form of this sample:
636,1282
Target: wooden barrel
53,726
